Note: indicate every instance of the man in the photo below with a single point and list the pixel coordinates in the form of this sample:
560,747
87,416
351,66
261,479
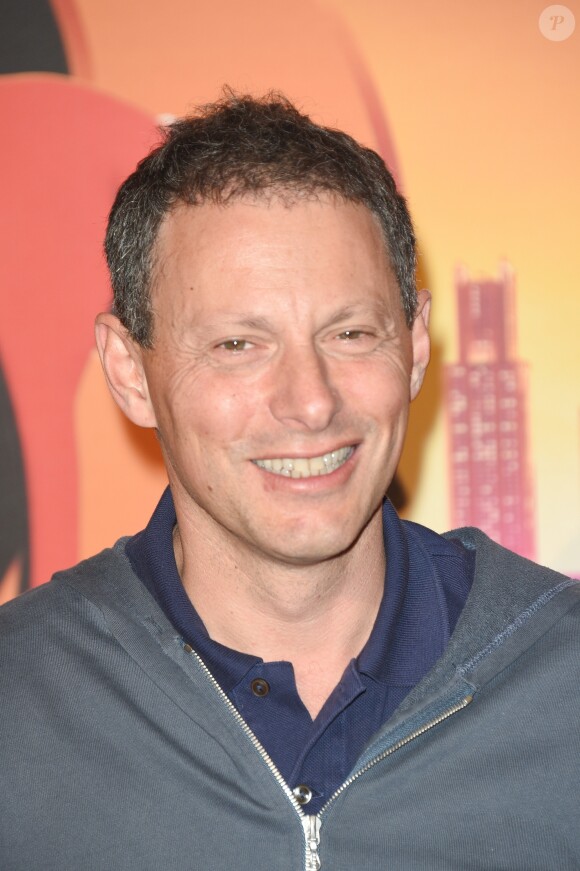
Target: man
278,673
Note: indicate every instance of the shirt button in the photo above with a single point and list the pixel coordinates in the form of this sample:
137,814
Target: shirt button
302,793
260,687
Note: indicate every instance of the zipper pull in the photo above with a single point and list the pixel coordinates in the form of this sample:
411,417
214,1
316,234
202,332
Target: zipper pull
312,830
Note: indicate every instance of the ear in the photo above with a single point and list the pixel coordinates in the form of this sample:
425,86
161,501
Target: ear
420,341
122,362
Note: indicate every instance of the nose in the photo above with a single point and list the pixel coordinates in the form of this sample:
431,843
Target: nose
303,396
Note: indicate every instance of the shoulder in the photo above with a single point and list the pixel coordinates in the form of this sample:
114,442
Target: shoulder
510,595
53,613
499,568
516,611
515,599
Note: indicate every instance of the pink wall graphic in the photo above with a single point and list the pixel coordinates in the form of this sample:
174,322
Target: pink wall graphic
487,409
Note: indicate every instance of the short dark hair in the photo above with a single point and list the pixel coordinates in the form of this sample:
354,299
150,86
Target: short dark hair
242,146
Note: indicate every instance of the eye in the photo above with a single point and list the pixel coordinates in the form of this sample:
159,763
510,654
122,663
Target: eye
233,345
355,340
351,335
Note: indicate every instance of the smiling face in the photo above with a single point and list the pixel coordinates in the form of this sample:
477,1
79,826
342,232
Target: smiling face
281,373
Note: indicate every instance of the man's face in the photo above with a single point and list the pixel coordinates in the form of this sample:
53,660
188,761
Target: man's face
281,373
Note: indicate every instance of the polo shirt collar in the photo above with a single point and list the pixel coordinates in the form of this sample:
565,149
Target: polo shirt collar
412,627
152,557
410,632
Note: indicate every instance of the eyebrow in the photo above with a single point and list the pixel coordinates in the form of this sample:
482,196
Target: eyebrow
364,309
251,322
245,320
357,309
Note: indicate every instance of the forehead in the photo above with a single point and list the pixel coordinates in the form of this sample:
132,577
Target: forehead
215,253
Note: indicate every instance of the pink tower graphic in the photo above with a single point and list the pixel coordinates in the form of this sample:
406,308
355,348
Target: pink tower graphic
486,401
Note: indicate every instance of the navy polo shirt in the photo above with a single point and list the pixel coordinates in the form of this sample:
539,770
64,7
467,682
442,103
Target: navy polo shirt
427,582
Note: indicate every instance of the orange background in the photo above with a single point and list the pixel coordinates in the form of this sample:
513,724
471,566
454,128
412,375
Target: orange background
475,110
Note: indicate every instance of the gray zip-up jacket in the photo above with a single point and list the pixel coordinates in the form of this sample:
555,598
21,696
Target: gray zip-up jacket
119,752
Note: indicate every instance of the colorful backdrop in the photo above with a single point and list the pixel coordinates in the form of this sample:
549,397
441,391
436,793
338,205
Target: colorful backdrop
474,106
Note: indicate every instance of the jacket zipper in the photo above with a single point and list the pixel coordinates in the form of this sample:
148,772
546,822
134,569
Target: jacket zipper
312,830
458,706
311,822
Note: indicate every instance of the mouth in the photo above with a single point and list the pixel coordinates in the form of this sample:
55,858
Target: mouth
307,467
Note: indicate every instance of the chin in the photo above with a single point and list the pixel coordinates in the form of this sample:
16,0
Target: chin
313,549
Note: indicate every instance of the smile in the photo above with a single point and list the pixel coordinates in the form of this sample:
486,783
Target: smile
307,467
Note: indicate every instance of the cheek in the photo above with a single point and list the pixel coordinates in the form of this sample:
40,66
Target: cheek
212,410
381,391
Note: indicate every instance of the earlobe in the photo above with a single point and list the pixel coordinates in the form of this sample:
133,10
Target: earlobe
421,342
123,368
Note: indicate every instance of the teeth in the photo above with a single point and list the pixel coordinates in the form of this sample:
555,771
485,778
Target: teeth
302,467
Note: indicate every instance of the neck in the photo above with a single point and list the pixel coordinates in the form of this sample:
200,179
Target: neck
318,617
